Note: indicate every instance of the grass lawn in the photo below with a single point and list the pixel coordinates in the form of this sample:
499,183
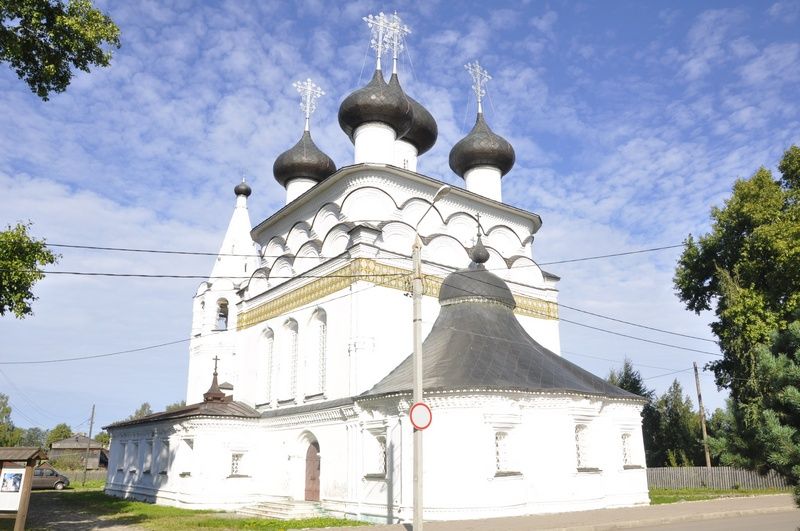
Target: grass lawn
85,503
659,496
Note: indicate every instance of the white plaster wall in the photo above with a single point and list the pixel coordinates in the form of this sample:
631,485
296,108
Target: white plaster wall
297,187
460,478
484,180
374,142
405,155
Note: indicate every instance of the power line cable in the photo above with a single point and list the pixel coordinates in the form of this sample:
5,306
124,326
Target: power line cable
252,255
94,356
652,341
668,373
570,353
39,410
196,277
635,324
160,345
669,345
598,257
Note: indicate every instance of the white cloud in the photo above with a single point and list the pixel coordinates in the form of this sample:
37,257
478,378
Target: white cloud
621,144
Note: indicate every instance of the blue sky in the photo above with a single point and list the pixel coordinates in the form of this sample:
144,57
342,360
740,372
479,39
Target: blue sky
630,121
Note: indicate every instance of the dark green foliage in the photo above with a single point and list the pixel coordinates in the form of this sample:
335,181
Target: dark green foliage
10,435
34,437
679,434
748,270
141,411
103,438
175,405
21,256
42,40
59,432
631,380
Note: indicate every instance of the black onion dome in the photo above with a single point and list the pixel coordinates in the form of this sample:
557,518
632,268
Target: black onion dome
475,283
424,131
482,147
242,189
378,101
304,160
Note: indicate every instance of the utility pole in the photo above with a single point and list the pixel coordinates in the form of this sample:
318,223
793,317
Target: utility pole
416,292
702,415
88,444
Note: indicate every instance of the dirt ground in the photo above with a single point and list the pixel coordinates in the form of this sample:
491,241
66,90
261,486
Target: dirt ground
53,510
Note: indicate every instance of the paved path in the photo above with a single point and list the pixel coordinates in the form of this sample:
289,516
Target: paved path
627,518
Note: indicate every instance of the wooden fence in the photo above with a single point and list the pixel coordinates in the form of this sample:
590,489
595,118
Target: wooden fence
718,477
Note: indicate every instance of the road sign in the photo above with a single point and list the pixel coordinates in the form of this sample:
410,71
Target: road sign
420,415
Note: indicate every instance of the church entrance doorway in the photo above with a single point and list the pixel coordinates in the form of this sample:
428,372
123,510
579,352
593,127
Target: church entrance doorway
312,472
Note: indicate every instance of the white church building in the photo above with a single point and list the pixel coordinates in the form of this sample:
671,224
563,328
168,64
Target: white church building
300,372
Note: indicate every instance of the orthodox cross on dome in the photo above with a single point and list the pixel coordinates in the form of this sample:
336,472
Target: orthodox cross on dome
214,393
380,27
309,91
479,79
395,36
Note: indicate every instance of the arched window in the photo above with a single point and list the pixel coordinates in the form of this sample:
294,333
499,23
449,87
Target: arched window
222,314
288,363
581,449
501,451
314,362
627,458
267,364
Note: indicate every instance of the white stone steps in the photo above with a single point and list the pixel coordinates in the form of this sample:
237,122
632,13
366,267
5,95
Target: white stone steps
283,509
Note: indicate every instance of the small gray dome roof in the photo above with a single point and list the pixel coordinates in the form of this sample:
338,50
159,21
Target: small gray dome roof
424,131
482,147
475,283
304,160
378,101
242,189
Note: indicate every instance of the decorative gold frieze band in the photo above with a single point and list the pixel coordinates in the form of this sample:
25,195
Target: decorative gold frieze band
366,269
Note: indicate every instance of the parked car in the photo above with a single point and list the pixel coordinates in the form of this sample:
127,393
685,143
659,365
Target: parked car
48,478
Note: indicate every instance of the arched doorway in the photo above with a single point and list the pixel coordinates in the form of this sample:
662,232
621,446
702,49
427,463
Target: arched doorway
312,472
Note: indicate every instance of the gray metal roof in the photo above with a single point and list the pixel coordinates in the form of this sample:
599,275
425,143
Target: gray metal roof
479,344
202,409
76,441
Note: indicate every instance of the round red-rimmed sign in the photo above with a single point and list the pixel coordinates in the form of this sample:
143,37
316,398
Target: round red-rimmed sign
420,415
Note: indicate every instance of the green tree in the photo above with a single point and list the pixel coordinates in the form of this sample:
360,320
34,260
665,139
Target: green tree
43,40
175,405
141,411
21,256
103,438
631,380
10,435
777,411
748,269
678,437
59,432
34,437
